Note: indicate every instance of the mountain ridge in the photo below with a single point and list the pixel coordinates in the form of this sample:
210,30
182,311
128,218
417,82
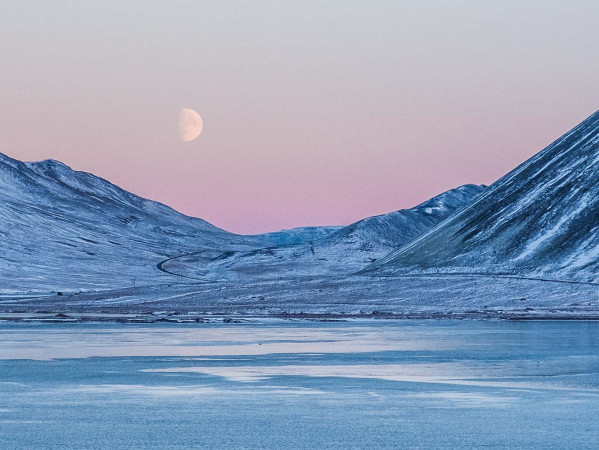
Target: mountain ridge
540,219
339,254
67,230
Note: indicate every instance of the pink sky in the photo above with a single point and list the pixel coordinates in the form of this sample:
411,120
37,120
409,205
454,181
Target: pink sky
314,112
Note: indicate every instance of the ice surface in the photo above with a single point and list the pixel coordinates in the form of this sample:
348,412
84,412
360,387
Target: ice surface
399,384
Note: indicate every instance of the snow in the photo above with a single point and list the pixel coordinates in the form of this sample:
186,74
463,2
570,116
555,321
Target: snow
551,234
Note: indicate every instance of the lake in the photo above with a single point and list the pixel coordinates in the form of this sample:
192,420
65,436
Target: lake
285,384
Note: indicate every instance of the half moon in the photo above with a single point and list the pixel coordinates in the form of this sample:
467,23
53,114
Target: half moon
190,124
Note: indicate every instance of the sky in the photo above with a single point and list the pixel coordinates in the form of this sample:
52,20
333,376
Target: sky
315,112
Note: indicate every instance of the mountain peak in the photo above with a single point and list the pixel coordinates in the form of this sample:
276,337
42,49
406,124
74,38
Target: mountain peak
451,197
51,163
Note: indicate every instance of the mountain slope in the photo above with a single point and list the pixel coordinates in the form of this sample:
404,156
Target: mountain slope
62,229
541,219
340,253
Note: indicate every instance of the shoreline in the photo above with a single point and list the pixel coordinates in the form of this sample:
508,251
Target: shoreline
185,318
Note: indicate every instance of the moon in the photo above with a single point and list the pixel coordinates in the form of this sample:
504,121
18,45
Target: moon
190,124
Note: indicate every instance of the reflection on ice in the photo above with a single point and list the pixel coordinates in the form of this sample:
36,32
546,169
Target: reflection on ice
186,391
467,399
44,343
439,373
423,373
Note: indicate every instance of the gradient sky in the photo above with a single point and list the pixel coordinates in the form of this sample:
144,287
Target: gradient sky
315,112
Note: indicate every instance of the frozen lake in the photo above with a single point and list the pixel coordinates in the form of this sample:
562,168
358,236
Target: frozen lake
370,384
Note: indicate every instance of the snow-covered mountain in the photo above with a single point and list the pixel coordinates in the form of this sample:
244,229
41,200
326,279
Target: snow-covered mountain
341,253
65,230
541,219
